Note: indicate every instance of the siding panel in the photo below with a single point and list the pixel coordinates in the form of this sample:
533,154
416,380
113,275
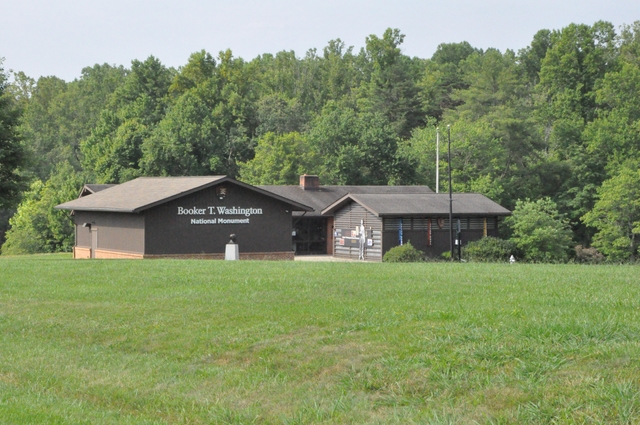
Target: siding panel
349,217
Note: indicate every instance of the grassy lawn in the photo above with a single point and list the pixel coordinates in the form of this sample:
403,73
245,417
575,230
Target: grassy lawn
213,342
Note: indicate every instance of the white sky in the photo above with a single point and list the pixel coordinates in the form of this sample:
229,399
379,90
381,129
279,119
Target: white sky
60,37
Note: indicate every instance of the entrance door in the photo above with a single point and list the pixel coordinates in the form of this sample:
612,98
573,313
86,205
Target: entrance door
94,241
310,236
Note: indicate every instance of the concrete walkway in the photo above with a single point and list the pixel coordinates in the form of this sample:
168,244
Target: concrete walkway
321,258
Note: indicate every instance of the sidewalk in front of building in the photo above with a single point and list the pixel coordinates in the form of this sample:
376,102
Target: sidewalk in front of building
321,258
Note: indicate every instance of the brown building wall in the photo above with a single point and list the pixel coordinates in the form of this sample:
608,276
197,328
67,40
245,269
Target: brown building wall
243,256
83,234
171,233
349,217
108,254
81,253
329,238
416,231
115,231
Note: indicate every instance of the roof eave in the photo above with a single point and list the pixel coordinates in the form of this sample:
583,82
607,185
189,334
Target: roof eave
119,210
291,202
296,205
445,214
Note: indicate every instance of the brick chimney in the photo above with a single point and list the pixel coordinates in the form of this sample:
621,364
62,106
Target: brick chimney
308,182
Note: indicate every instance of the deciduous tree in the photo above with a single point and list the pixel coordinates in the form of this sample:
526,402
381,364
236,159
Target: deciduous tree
616,214
540,231
11,151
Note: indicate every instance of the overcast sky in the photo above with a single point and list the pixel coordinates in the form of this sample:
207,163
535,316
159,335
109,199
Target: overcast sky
47,37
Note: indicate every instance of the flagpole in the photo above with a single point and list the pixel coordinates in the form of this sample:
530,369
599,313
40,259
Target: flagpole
437,159
450,196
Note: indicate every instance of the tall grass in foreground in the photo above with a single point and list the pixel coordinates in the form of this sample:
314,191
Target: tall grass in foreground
199,342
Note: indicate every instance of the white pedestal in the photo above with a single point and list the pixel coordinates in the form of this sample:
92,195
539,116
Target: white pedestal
232,252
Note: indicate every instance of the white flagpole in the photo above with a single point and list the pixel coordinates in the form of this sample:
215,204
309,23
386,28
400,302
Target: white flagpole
437,159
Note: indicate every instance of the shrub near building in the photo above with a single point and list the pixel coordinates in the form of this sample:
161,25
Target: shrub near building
489,249
403,254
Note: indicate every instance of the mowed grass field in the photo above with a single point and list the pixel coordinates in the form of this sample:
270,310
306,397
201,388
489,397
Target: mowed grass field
213,342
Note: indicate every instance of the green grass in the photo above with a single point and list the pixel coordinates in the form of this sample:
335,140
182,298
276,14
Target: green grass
213,342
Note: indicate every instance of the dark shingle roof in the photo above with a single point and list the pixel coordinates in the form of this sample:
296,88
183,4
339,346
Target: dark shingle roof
90,189
146,192
320,198
98,187
434,204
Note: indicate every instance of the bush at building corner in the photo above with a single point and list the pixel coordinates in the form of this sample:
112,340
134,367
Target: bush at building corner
403,254
489,249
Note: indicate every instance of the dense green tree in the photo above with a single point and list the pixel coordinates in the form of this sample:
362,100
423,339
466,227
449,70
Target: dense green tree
113,150
614,135
575,64
21,88
279,159
144,92
495,142
531,56
200,67
392,89
46,141
443,76
58,115
339,71
355,147
278,115
11,151
189,140
419,154
12,155
616,214
540,231
37,226
208,128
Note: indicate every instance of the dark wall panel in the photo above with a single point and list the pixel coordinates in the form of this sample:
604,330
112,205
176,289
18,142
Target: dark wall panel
169,232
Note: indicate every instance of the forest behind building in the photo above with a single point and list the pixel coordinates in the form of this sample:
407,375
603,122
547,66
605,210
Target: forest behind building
555,124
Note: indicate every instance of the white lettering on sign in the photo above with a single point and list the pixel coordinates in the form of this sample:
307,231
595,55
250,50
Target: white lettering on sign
216,210
192,211
220,221
203,221
247,212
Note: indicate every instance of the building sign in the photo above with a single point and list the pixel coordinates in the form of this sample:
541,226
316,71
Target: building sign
219,214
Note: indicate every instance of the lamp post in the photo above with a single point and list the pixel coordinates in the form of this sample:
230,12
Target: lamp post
450,196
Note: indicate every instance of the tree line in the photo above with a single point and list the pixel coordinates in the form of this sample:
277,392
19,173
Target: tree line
557,121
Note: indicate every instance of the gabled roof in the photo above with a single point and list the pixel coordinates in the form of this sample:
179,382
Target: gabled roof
90,189
147,192
324,196
433,204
